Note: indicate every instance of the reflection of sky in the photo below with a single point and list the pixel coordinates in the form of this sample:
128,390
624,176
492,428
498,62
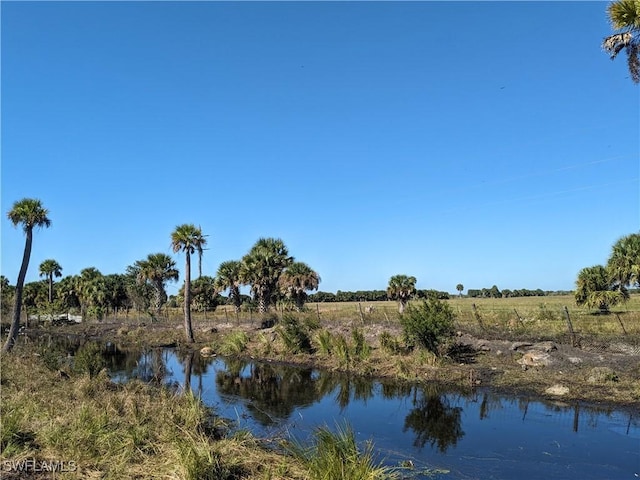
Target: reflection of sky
516,439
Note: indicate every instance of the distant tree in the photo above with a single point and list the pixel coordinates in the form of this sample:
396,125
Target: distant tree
91,289
50,268
29,213
296,280
459,288
261,268
624,16
228,278
624,263
594,289
116,297
35,297
158,269
494,292
188,239
6,295
204,293
401,288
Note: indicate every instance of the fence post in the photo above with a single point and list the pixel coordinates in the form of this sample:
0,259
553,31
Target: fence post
621,324
477,315
570,327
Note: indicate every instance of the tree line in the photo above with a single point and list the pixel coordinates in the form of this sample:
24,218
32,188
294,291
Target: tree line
268,269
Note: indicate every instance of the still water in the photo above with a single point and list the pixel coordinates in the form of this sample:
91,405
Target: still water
460,435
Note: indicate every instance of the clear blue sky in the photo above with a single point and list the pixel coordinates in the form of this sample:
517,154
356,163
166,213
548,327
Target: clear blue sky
479,143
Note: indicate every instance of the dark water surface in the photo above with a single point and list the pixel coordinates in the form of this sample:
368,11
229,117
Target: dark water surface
476,435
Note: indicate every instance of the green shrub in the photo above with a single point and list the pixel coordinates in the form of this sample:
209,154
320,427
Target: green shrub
389,343
428,325
89,359
295,336
325,342
361,348
234,344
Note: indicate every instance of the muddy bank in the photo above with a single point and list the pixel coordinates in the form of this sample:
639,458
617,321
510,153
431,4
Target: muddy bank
606,374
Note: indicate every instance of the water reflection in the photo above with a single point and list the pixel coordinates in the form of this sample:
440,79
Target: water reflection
274,392
434,420
479,435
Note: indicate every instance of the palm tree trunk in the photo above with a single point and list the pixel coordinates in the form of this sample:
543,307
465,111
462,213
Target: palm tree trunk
51,287
15,323
187,299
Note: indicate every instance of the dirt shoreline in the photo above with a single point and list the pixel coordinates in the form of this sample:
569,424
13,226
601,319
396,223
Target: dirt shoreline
606,377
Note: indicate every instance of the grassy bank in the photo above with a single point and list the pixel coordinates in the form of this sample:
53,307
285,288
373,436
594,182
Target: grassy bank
367,339
93,428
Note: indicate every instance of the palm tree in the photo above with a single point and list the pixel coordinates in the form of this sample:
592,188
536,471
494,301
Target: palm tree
91,289
29,213
459,288
50,268
624,263
401,287
228,277
624,16
594,289
189,239
261,268
296,279
157,269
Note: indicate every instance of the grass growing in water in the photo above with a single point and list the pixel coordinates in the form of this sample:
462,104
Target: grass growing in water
336,456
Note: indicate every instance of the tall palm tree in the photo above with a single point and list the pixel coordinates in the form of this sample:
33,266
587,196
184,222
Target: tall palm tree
401,288
296,279
594,289
228,277
624,16
50,268
157,269
624,263
29,213
189,239
261,268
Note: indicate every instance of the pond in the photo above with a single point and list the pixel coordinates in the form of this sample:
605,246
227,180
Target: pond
452,435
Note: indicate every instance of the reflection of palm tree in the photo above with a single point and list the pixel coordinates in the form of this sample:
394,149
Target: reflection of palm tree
433,420
274,391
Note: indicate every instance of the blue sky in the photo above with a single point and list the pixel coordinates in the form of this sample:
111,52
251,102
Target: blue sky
479,143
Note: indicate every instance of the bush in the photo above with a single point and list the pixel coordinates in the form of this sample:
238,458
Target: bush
428,325
89,359
295,335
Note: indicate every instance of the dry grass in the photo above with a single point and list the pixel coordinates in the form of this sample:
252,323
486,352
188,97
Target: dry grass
121,431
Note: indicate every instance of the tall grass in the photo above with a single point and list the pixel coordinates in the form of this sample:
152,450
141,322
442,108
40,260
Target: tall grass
336,456
115,431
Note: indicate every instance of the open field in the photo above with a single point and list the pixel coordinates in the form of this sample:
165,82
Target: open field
508,318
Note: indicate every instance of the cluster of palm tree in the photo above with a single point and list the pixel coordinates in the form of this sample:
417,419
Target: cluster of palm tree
267,268
601,287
